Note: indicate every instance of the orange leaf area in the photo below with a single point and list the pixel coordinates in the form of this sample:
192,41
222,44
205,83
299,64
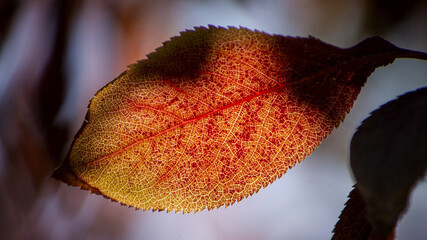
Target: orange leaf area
215,115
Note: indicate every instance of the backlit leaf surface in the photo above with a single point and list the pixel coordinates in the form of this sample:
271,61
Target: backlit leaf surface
215,115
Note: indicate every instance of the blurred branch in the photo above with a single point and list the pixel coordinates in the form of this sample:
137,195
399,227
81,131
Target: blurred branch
7,14
28,135
51,90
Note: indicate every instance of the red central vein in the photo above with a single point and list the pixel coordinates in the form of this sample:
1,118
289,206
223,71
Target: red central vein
280,86
190,121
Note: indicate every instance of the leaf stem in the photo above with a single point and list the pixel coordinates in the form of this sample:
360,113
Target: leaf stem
405,53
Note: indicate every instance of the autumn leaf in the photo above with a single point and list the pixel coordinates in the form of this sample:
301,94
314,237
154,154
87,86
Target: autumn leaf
215,115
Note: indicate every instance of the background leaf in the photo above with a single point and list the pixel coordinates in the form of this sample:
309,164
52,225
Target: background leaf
353,224
388,156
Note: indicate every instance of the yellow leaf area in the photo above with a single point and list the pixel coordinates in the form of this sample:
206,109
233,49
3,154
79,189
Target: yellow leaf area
210,118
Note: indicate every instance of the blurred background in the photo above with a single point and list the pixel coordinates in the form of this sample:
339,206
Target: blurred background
55,55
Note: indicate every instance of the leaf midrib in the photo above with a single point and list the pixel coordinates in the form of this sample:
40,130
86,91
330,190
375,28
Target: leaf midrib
405,54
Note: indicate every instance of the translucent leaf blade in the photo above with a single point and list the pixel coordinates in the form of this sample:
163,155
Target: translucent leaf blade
215,115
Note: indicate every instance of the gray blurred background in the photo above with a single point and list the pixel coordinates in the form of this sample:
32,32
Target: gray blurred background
55,55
